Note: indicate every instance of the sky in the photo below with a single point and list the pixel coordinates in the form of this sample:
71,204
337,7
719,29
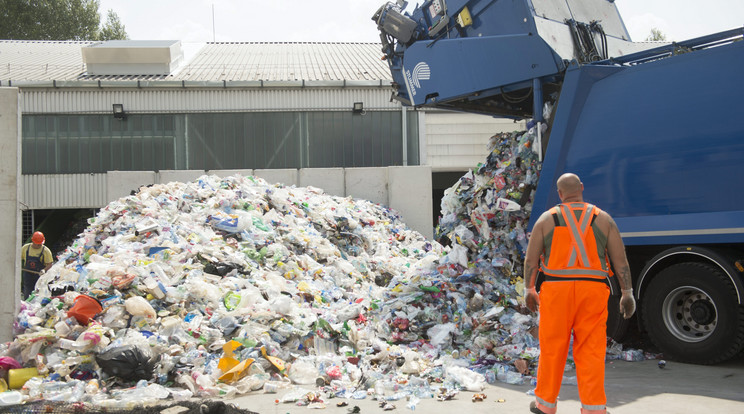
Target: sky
191,21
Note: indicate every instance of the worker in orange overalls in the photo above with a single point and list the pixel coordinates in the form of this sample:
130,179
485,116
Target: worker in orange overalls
571,244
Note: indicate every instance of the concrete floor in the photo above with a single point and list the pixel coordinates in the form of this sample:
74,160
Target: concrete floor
632,387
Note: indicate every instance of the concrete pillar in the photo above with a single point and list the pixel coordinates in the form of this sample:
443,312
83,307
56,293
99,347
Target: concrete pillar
10,213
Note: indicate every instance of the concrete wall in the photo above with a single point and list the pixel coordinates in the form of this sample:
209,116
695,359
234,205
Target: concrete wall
331,180
368,184
121,183
10,213
404,189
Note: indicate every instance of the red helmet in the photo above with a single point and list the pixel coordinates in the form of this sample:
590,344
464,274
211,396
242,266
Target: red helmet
38,238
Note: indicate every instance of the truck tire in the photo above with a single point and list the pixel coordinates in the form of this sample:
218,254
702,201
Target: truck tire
691,313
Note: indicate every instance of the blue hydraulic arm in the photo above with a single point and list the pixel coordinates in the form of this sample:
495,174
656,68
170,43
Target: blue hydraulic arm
488,56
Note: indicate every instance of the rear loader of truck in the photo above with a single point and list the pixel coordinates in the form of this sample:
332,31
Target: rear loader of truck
654,132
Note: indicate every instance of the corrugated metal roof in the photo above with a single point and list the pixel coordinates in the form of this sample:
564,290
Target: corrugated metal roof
40,60
45,61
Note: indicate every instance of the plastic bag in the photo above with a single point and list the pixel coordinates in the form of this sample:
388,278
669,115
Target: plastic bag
128,362
139,306
469,380
303,371
233,222
85,309
439,335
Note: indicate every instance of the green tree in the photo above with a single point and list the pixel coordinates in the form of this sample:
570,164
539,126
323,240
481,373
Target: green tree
51,20
113,29
656,36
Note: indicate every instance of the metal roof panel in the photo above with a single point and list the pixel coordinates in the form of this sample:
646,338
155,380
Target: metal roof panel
221,61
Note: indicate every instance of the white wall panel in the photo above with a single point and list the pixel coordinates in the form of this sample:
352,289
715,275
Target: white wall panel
50,191
330,180
96,100
286,177
368,183
121,183
409,194
165,177
459,141
229,173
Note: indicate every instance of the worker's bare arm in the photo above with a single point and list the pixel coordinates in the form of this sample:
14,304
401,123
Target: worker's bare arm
535,248
616,249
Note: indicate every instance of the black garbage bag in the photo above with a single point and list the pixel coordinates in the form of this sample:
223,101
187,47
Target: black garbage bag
128,362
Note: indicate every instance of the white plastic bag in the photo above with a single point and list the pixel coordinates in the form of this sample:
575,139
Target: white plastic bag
139,306
302,371
439,335
469,380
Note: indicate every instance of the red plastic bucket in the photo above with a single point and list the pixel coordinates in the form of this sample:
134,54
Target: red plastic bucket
84,309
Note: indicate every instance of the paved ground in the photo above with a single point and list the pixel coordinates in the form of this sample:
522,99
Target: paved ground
632,387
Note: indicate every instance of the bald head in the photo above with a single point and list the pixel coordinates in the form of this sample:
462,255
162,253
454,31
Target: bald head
570,187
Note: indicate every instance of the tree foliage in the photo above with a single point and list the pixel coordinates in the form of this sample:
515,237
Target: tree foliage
113,29
56,20
656,36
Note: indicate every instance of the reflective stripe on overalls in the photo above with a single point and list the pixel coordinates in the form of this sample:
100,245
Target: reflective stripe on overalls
569,255
572,302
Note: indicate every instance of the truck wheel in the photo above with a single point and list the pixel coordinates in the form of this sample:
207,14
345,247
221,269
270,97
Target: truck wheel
691,313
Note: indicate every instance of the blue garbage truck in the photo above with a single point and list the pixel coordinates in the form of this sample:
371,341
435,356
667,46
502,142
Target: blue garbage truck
654,130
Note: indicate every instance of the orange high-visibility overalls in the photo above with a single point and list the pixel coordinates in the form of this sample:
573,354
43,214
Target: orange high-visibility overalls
571,299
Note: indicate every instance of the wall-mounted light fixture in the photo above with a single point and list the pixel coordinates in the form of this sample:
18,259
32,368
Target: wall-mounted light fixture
358,108
119,112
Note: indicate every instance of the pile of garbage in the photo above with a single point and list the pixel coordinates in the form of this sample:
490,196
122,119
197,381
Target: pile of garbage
223,286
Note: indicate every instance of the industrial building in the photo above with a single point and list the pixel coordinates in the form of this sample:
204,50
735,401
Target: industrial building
100,119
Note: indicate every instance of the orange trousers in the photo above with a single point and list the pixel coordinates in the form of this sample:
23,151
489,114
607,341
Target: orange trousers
579,307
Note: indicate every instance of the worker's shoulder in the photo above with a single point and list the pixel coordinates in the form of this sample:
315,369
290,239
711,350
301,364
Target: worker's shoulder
602,213
604,218
544,216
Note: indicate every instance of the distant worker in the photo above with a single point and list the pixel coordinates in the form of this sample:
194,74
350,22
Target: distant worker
571,243
35,259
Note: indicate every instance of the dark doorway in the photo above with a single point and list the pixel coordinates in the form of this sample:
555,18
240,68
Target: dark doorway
441,181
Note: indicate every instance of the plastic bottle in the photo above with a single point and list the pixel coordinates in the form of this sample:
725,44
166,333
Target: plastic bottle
412,402
32,387
514,378
203,381
156,391
379,389
187,381
359,395
10,398
154,287
179,394
397,396
490,376
92,387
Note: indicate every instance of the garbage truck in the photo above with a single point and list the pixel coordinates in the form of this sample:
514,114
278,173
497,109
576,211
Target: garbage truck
654,130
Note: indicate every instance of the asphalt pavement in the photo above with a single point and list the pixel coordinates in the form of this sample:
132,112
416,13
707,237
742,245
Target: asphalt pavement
632,387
